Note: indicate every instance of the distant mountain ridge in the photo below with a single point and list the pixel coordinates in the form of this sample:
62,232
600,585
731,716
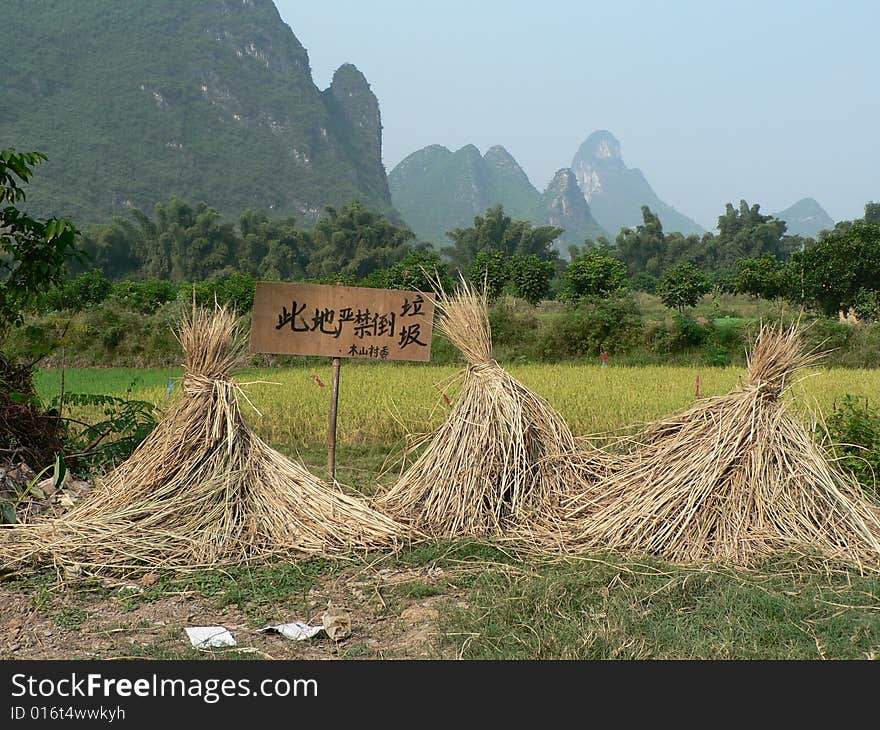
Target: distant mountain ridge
617,193
805,218
437,190
208,100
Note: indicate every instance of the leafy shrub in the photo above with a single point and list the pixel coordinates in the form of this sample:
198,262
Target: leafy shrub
728,332
596,325
114,334
862,348
715,355
854,425
144,296
235,290
515,333
867,305
657,337
86,290
416,271
687,332
112,439
643,281
828,335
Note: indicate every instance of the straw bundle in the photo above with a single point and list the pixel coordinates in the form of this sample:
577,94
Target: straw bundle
202,488
502,457
733,479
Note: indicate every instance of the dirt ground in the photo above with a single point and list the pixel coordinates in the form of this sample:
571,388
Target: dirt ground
113,620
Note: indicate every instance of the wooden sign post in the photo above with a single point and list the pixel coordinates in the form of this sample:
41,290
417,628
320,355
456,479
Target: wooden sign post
341,321
334,406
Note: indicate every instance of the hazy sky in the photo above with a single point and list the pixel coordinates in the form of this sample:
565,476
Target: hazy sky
769,101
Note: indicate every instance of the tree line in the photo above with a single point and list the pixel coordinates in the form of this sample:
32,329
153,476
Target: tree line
750,253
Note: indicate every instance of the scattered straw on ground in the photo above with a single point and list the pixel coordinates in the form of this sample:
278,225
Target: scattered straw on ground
202,489
503,458
733,479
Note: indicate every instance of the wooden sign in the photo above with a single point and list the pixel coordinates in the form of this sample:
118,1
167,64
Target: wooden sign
342,321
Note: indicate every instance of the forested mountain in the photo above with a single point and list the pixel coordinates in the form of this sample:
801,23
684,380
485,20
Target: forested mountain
805,218
209,100
437,190
616,193
563,205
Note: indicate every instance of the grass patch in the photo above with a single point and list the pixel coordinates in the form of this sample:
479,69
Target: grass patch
71,618
451,554
263,593
616,610
418,590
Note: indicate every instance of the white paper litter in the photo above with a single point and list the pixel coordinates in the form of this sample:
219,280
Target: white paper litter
209,637
296,631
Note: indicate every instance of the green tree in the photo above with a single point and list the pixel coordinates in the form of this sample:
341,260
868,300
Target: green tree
643,281
742,233
235,290
272,249
33,253
86,290
489,271
682,286
419,270
595,273
763,277
872,215
498,232
840,270
681,249
643,248
196,242
647,249
529,277
183,242
33,257
113,248
356,241
590,245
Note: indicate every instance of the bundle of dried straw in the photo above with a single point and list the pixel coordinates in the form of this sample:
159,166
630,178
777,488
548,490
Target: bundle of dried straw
502,459
202,489
733,479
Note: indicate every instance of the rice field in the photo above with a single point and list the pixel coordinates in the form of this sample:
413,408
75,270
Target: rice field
381,403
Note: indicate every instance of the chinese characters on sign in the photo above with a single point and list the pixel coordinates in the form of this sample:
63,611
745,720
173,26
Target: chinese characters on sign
342,321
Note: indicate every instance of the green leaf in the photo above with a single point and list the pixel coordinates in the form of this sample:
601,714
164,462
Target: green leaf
60,471
7,514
